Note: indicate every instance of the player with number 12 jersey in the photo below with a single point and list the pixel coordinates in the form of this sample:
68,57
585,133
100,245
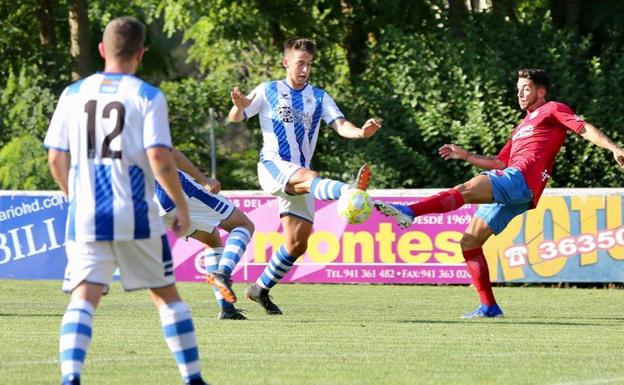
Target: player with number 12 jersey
110,191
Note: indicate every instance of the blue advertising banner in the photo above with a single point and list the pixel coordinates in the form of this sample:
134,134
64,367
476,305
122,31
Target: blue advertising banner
574,235
32,234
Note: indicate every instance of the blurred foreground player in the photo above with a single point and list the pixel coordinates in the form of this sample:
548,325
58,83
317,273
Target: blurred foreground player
108,138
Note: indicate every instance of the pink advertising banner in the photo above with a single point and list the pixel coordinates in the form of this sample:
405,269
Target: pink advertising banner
377,251
574,235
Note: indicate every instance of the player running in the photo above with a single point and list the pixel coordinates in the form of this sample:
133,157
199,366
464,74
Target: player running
518,176
290,113
209,210
108,138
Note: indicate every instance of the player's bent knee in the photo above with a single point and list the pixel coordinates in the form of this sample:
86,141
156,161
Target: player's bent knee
246,223
469,242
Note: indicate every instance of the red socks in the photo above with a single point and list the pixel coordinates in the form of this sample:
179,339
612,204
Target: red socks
478,269
443,202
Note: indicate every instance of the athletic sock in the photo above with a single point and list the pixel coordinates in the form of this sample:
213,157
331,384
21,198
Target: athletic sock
179,332
327,189
442,202
76,330
478,269
212,257
235,247
278,266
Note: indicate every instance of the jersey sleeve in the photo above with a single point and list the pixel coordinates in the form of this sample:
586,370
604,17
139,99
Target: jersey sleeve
503,154
564,115
57,137
256,104
156,131
331,112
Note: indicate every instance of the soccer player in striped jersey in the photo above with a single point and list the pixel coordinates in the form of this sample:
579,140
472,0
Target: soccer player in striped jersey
107,140
515,182
290,113
209,210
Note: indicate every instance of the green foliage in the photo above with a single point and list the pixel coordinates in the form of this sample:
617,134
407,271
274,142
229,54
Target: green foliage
396,59
24,166
26,105
17,29
436,87
189,102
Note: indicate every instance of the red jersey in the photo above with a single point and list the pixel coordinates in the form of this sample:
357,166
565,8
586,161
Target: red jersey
535,142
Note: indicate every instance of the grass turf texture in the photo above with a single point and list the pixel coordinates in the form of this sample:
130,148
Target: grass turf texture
330,334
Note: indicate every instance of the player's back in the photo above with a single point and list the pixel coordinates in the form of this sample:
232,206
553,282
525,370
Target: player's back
107,121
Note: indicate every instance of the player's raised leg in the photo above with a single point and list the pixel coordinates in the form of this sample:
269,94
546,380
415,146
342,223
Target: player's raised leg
329,189
476,190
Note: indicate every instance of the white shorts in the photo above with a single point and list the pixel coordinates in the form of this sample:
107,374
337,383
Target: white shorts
206,211
143,263
274,176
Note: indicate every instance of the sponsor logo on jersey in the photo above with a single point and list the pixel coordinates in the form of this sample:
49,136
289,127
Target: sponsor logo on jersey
545,175
286,114
303,118
523,132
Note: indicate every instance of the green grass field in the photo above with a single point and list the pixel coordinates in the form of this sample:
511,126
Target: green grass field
331,334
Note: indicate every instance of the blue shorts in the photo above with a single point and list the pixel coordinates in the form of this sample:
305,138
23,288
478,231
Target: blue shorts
512,197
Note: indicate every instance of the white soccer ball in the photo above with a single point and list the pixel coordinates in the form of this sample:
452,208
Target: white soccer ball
354,206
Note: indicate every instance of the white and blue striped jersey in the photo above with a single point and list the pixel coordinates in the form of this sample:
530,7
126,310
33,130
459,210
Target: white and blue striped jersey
106,122
290,120
191,189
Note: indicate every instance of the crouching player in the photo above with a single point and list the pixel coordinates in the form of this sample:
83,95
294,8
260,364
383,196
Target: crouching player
208,210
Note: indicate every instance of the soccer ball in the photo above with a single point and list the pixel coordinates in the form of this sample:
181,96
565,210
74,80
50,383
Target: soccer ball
354,206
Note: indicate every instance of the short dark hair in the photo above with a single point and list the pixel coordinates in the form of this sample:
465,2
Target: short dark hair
300,44
123,37
537,76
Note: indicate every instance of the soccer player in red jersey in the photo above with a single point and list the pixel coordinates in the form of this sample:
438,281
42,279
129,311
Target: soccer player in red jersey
514,183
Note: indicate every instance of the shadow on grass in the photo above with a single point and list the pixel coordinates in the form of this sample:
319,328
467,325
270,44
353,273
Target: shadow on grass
507,322
589,318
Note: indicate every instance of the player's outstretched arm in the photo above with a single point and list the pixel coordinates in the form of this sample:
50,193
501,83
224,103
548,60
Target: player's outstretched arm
185,164
240,102
164,168
453,151
598,138
346,129
58,161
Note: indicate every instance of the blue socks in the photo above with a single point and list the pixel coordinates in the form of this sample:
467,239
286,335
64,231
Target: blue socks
278,266
327,189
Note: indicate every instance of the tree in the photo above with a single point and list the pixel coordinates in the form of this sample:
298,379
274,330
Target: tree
80,40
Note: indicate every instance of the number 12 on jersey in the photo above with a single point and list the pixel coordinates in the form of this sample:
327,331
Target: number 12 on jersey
90,109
